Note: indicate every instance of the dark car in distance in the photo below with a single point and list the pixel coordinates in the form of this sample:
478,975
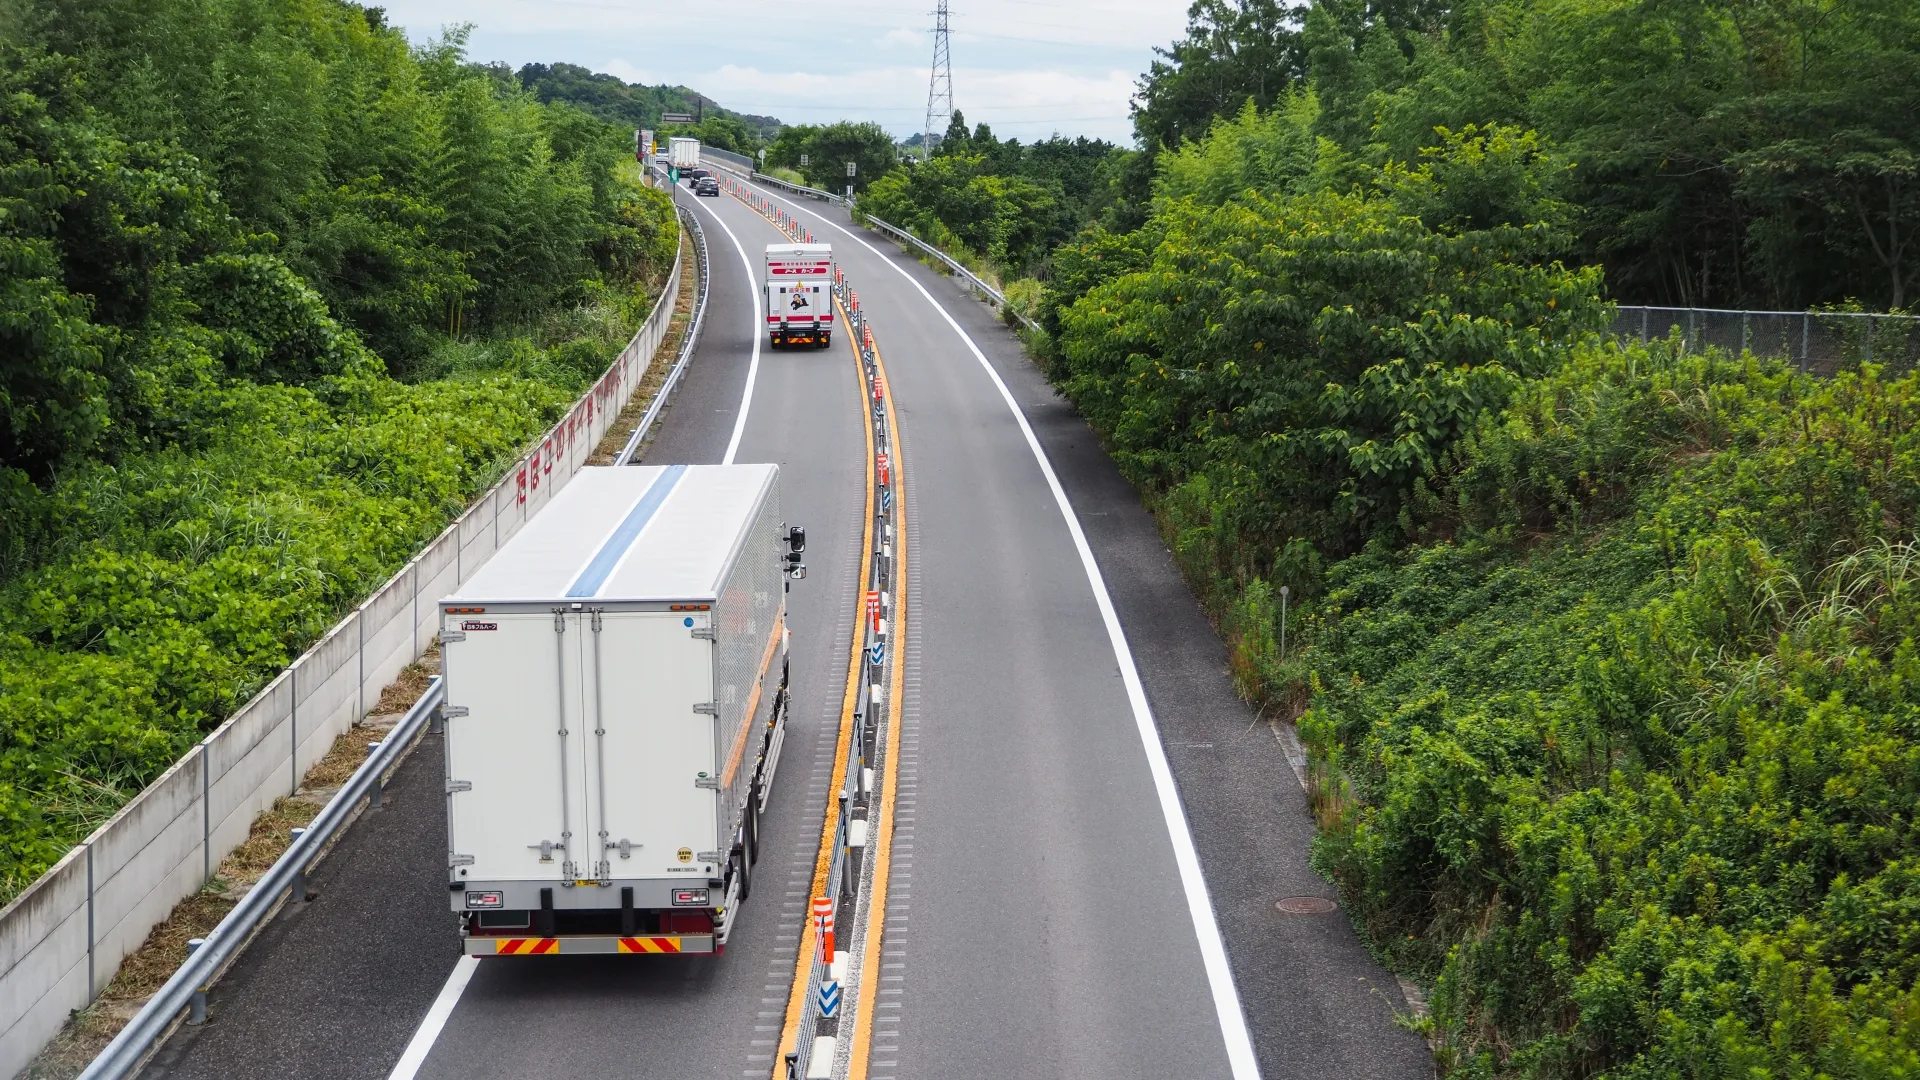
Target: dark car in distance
706,185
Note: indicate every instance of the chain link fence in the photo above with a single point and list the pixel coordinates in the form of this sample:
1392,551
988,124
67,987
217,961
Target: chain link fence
1819,342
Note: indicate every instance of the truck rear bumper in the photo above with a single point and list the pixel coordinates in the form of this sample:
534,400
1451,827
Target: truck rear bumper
581,946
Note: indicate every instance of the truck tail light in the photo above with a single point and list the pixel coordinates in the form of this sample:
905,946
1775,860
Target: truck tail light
690,897
488,899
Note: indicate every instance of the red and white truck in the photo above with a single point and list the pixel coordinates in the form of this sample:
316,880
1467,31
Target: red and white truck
800,294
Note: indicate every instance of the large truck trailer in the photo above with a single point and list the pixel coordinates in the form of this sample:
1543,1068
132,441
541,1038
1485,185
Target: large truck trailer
683,153
616,689
799,289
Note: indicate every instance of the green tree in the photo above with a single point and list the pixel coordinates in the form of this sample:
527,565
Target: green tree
829,147
1312,357
1234,51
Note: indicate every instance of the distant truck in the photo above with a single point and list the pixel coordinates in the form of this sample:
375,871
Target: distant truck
616,687
683,153
800,294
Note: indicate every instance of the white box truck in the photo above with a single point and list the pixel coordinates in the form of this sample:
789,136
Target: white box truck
683,153
615,705
800,294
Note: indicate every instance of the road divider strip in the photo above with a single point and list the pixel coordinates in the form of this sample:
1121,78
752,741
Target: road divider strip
827,999
881,842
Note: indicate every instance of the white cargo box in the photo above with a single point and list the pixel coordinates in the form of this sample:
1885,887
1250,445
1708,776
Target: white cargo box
799,289
604,673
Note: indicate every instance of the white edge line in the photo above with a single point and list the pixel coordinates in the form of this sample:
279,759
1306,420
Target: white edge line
1213,951
759,327
429,1032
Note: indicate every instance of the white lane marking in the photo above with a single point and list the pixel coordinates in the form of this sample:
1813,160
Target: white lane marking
1213,950
759,327
429,1031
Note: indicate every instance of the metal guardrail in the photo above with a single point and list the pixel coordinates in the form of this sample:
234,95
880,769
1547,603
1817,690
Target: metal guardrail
992,294
801,189
186,990
687,344
1818,342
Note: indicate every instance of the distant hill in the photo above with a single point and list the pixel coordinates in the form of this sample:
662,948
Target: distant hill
632,105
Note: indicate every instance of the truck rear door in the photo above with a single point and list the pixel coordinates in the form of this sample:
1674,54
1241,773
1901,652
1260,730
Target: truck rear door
515,762
653,778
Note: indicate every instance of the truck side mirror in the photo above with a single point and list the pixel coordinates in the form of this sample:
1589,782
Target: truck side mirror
797,539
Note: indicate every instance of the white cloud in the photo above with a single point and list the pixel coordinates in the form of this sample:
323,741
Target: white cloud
1027,67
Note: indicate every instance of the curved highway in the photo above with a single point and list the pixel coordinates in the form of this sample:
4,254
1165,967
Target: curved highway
1090,831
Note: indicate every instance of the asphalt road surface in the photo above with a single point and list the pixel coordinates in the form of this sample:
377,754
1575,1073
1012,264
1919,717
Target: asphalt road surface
1043,929
338,986
1072,847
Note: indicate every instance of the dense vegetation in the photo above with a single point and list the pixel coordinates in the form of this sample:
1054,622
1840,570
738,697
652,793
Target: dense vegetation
1627,764
1603,654
1722,153
632,106
279,294
997,200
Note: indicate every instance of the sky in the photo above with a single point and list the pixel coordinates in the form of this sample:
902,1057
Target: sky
1029,68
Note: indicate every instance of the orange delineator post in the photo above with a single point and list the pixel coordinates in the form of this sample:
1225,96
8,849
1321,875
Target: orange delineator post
823,914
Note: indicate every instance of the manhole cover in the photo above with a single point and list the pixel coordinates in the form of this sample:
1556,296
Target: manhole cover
1305,905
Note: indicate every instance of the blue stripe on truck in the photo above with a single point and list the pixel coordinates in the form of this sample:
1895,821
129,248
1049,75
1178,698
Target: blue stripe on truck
623,536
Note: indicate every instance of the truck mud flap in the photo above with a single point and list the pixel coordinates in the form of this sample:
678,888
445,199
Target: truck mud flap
582,946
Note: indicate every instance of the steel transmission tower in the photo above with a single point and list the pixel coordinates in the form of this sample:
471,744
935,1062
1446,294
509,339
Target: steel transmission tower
939,85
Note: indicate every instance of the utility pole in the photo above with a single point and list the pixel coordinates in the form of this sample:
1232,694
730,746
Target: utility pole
939,85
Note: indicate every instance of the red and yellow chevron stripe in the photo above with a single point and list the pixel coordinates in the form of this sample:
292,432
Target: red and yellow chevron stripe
649,944
536,946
